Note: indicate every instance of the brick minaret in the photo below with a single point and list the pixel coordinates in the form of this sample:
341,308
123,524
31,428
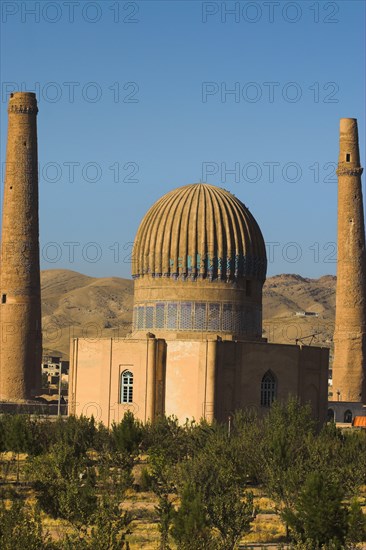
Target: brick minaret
20,306
349,367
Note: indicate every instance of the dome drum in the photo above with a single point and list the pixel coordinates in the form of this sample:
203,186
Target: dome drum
216,317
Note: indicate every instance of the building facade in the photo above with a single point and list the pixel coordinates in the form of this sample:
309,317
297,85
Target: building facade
196,349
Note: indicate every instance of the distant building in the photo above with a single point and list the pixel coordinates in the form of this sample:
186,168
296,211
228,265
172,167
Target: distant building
359,422
306,314
54,367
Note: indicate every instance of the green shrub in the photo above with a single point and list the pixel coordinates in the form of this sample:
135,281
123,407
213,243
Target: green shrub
64,483
127,435
146,480
21,527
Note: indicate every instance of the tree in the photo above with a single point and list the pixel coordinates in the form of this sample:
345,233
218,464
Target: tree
109,529
21,527
167,438
64,483
288,433
191,528
231,512
111,526
127,435
39,435
108,526
16,435
246,436
356,531
217,474
2,436
78,433
102,439
337,453
164,511
319,515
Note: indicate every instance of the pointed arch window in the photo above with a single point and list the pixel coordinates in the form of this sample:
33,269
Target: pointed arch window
268,389
126,387
348,417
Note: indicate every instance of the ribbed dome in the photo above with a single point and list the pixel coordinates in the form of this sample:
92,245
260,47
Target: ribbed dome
201,231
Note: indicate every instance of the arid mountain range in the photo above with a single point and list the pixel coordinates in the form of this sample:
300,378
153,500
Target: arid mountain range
77,305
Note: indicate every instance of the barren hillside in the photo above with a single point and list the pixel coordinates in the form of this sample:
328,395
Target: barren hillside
284,295
77,305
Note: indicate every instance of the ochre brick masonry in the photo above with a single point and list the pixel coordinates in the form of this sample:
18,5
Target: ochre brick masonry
20,301
349,367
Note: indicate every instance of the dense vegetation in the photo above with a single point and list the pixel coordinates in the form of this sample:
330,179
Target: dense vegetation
203,477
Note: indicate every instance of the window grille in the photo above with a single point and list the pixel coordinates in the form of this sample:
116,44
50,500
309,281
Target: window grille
236,321
159,316
126,387
140,317
268,389
149,323
227,317
200,316
186,316
214,317
172,316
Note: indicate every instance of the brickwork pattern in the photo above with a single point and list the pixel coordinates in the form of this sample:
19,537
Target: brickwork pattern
349,366
20,307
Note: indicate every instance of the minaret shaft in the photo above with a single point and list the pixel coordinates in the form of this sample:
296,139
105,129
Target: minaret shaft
349,366
20,302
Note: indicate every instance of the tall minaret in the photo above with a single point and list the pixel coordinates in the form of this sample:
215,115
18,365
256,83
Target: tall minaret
20,307
349,367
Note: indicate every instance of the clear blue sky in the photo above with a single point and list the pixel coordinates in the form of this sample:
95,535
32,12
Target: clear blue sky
135,96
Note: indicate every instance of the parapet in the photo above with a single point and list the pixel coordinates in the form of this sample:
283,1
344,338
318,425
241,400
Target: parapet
23,103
